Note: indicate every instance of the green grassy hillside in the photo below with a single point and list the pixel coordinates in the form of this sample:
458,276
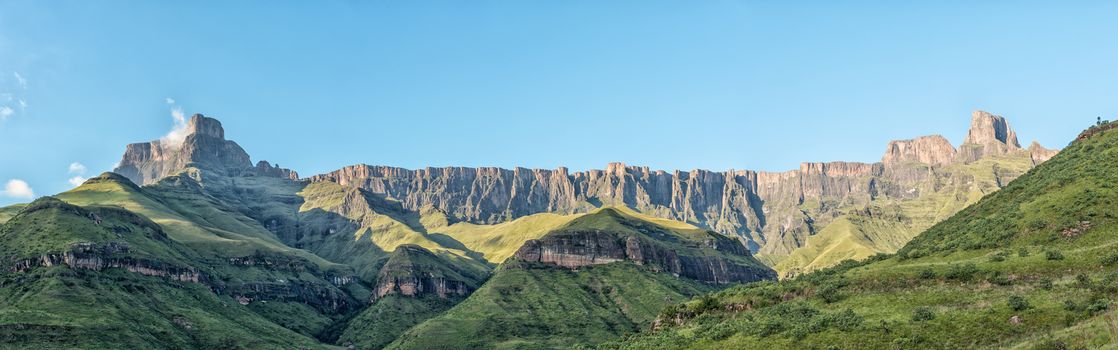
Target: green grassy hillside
544,307
106,287
1033,266
887,224
533,305
247,260
393,312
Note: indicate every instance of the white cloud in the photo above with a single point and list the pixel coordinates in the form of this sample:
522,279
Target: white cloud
22,81
169,101
77,180
6,112
22,104
77,168
177,134
17,188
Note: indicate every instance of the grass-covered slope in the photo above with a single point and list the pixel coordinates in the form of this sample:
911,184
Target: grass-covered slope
532,305
412,286
886,224
1033,266
537,305
246,259
106,278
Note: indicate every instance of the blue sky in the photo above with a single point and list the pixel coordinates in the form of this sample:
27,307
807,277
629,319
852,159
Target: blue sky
764,85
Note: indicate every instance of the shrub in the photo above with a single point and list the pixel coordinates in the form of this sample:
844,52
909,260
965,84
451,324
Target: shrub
1110,259
1018,303
829,293
1070,305
1045,283
1053,255
1023,252
927,274
846,320
1083,281
961,272
922,314
1000,279
997,258
1098,306
708,302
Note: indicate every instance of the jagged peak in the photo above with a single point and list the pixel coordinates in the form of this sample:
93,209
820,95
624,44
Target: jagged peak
202,125
987,128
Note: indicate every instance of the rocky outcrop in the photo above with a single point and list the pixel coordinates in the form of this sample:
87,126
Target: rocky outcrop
322,297
97,257
413,271
930,150
204,147
988,135
710,260
1039,154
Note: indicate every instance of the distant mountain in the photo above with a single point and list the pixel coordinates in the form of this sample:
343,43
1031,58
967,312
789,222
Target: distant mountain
1032,266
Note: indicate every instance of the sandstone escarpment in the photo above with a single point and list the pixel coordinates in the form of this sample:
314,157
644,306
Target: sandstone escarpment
764,209
770,212
413,271
931,150
97,257
587,241
988,135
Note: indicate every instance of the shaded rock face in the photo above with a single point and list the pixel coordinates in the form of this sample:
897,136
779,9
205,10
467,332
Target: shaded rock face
728,202
97,257
414,271
577,247
585,248
988,135
204,147
932,150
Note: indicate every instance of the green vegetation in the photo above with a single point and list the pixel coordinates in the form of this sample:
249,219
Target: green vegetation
387,318
946,289
886,225
61,307
537,305
540,306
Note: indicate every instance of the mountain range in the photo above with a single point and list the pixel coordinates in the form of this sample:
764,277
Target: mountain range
189,244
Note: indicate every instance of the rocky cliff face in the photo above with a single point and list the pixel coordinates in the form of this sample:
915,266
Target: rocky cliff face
770,212
714,259
1039,154
932,150
988,135
204,147
765,209
414,271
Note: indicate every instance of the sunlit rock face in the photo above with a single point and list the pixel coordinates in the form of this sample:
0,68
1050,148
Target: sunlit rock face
204,146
